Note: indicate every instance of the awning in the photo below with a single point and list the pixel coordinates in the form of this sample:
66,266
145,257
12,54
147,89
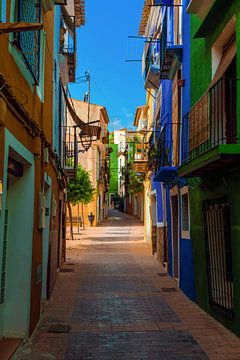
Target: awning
227,57
166,174
86,129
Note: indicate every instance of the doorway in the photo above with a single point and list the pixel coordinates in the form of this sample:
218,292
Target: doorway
175,235
46,236
18,234
154,223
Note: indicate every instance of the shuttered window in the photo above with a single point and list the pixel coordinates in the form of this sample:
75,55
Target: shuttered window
199,122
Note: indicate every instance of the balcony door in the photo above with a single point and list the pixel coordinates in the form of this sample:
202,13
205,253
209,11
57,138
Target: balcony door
230,102
222,97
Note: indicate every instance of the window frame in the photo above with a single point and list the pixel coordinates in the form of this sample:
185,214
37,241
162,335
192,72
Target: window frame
185,234
21,63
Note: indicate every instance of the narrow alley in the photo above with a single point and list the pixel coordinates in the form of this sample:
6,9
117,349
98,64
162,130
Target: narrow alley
113,301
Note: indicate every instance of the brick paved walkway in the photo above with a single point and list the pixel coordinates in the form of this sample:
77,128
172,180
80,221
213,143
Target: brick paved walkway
117,303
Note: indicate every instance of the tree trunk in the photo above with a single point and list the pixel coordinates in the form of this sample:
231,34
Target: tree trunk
83,222
70,218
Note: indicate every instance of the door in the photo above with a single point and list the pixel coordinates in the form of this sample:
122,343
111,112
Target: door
17,250
230,102
154,224
175,235
46,236
217,229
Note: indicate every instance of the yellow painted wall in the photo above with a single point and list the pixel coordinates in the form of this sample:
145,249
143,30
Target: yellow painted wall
41,114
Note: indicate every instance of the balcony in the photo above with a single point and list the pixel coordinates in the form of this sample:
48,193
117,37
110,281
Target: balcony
209,133
69,151
68,44
164,171
152,68
170,61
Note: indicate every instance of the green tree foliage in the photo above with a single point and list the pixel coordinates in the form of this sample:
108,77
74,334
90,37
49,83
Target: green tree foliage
136,179
80,190
135,182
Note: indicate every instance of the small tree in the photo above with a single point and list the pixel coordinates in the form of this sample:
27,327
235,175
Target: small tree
79,190
136,180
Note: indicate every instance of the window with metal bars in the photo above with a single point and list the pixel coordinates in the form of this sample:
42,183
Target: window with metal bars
28,42
217,230
185,212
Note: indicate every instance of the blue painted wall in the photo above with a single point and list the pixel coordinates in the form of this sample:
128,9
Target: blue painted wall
157,186
187,277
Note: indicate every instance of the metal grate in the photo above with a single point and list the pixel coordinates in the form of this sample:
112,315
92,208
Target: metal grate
28,42
217,230
66,270
70,147
169,289
59,329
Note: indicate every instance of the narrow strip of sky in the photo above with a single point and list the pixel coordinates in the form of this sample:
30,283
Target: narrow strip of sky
103,47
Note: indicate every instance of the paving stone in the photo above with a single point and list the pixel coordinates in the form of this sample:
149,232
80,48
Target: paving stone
116,309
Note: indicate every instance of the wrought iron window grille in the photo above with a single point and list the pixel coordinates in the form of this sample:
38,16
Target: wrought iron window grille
28,42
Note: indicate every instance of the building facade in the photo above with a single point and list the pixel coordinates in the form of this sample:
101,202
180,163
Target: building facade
113,169
191,67
32,179
93,157
166,60
211,157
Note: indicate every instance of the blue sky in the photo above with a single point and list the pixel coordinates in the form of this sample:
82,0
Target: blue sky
102,48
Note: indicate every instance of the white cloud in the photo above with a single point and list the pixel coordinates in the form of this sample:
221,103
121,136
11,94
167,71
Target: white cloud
116,123
127,113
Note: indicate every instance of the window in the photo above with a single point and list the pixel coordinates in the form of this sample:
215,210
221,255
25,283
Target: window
28,42
185,214
28,48
3,10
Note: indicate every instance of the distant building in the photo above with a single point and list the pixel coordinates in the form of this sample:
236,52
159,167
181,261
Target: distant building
113,170
94,160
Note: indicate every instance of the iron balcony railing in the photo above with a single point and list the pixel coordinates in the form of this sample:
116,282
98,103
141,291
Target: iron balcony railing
152,153
164,150
68,44
212,121
28,42
152,59
69,148
184,137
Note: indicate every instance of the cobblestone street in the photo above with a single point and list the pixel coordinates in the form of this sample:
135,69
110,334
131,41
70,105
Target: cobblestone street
113,301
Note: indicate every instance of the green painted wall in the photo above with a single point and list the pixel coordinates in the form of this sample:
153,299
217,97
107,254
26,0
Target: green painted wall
113,184
201,48
210,188
19,199
220,183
